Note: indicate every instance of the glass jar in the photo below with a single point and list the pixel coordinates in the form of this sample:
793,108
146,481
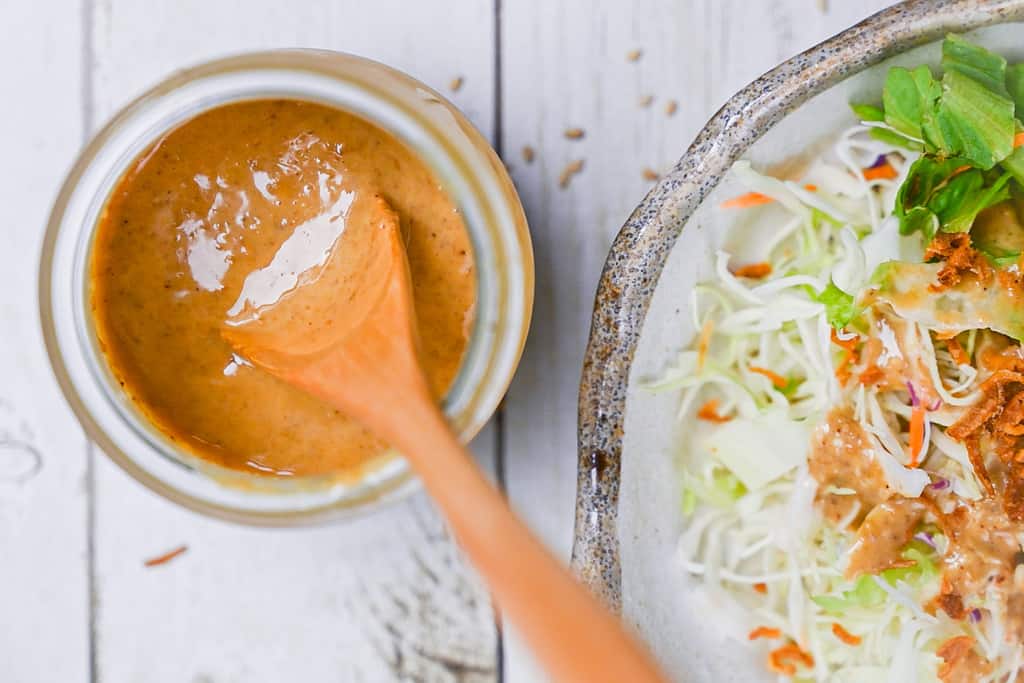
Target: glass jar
460,158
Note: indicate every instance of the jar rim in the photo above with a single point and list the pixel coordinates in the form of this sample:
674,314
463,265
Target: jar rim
421,119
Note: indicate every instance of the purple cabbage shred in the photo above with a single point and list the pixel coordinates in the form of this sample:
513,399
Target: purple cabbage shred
913,395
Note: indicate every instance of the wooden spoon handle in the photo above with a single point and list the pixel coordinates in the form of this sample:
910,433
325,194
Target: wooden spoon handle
569,631
373,374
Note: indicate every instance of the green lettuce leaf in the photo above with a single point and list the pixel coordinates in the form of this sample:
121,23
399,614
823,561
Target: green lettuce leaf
975,114
919,218
969,113
925,178
939,194
840,307
974,121
974,62
907,97
868,112
689,502
958,203
865,591
1015,85
949,200
722,489
1014,164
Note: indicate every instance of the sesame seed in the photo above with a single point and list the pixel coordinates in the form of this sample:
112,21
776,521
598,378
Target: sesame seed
571,169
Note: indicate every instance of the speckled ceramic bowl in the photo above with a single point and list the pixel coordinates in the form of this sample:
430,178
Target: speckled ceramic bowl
628,517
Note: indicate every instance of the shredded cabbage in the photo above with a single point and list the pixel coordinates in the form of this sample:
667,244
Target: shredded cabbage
760,449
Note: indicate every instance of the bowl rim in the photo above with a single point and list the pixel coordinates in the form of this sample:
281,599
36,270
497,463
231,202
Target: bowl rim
639,251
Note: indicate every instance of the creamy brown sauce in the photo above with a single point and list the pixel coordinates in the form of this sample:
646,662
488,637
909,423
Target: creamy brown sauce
882,536
841,459
231,192
983,546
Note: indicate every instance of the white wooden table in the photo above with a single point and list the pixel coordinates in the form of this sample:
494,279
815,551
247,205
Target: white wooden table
386,598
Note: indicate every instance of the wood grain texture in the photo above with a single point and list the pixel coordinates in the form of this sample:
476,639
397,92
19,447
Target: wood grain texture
387,598
384,598
568,65
44,592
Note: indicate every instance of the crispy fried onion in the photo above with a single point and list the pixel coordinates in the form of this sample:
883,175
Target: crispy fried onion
957,654
998,416
954,248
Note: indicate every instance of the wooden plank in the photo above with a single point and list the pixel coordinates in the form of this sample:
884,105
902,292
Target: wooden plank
44,592
579,72
385,598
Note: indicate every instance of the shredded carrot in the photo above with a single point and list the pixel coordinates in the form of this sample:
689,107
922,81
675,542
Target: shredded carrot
749,199
1018,140
960,356
781,660
709,412
843,374
777,666
761,588
166,557
846,362
871,375
958,170
881,172
778,380
845,368
704,342
848,344
952,652
805,657
764,632
916,435
842,634
754,270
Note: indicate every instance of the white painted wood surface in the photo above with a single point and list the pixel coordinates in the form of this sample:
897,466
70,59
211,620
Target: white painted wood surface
44,603
386,598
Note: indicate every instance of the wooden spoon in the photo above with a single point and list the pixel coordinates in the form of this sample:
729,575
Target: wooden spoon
349,337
